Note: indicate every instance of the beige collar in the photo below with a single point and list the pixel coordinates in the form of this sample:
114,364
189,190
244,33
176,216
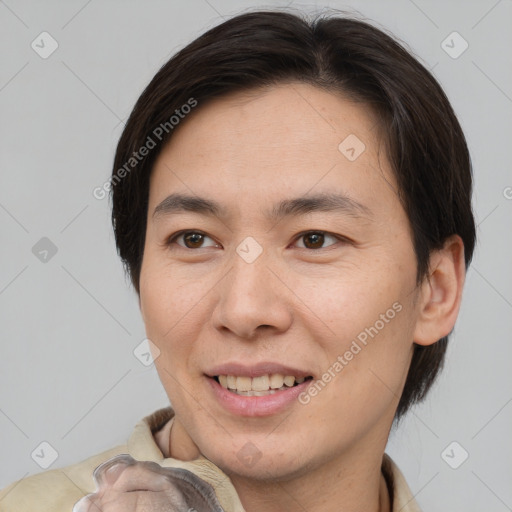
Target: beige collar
143,446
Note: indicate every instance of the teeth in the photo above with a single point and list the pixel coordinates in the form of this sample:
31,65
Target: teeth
260,383
289,381
259,386
276,381
255,393
243,383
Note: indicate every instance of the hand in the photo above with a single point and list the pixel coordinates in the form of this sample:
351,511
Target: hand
126,485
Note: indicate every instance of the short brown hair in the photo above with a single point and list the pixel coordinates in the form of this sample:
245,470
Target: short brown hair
425,143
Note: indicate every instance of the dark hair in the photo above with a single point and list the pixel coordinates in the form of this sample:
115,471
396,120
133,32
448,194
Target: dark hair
425,143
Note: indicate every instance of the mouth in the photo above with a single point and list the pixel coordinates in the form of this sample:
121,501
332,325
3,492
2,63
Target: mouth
261,389
262,385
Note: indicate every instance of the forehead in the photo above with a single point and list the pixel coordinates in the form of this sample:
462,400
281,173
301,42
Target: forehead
281,141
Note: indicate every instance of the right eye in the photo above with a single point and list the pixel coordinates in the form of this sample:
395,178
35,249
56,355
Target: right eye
191,239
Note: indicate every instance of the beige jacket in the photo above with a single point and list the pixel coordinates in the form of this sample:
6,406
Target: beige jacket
58,490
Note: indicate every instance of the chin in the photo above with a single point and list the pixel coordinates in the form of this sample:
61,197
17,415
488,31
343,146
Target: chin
262,463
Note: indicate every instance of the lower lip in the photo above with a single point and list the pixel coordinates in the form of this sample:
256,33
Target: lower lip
254,406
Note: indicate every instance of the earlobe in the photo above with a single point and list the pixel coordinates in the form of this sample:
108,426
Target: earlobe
441,293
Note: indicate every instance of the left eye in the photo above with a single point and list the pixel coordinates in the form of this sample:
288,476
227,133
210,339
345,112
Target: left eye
315,239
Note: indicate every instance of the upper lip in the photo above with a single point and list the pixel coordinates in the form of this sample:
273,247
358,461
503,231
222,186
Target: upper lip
256,370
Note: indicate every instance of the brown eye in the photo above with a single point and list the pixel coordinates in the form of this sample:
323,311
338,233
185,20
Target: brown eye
315,239
191,240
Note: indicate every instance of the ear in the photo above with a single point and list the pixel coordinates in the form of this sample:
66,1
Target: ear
441,293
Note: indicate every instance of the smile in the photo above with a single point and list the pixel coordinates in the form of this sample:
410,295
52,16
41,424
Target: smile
259,386
259,402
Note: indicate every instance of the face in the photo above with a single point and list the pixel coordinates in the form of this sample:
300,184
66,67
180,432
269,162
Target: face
269,283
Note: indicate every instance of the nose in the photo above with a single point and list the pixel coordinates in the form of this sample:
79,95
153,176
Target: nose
252,298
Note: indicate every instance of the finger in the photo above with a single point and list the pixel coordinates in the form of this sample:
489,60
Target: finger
170,484
137,501
108,472
141,477
116,502
86,504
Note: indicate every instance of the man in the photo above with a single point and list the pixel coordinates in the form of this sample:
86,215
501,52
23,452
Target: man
292,201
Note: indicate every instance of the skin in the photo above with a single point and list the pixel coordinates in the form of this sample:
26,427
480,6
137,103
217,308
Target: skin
171,489
204,305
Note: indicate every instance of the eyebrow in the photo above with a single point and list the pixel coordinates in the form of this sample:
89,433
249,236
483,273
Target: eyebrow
324,202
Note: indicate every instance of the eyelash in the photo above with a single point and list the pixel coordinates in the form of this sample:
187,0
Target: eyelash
172,239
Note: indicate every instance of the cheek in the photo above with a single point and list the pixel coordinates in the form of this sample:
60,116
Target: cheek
368,345
346,299
168,298
161,312
173,308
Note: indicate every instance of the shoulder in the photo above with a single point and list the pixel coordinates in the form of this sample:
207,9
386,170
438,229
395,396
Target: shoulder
401,496
58,490
55,490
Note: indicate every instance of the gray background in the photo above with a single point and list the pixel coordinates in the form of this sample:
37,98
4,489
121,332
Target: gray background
69,325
